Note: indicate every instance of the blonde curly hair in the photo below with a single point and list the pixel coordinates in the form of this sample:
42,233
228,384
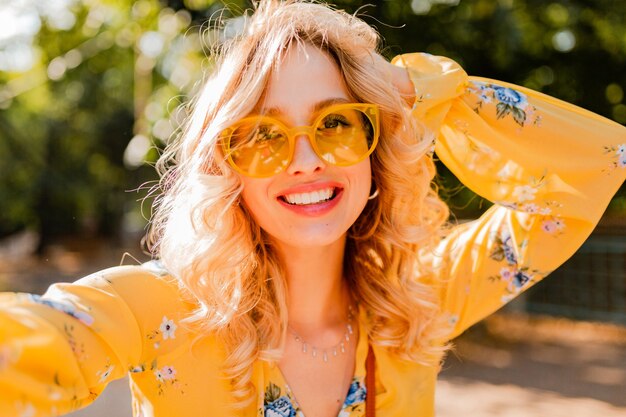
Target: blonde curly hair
208,240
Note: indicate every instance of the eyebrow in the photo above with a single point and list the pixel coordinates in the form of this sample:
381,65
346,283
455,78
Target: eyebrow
274,111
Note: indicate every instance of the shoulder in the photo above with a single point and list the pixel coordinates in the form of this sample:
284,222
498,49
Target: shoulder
148,290
147,277
424,63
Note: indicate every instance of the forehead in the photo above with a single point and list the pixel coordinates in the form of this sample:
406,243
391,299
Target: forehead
305,77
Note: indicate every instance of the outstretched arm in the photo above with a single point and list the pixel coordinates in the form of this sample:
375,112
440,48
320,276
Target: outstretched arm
59,351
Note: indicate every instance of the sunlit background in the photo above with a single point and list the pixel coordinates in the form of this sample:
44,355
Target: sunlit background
91,91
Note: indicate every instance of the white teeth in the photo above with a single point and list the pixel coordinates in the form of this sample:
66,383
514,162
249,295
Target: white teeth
313,197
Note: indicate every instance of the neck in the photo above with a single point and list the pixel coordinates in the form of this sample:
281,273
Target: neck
318,296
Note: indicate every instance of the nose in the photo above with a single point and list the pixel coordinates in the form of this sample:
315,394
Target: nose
305,160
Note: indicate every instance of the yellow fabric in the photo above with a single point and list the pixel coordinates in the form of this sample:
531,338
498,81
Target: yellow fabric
550,167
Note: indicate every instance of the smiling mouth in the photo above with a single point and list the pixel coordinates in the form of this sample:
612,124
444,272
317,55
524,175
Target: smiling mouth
314,197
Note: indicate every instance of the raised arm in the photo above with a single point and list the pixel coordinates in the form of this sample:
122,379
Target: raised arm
550,167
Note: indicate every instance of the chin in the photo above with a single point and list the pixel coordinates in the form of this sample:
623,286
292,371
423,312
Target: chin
310,238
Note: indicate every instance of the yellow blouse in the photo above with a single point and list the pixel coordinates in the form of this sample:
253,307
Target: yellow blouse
550,167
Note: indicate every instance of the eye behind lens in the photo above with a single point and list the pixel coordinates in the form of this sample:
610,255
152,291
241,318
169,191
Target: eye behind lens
259,148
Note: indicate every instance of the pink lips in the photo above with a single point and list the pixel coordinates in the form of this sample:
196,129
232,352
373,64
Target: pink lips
312,210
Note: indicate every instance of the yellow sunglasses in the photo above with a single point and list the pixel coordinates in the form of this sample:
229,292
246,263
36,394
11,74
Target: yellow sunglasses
342,135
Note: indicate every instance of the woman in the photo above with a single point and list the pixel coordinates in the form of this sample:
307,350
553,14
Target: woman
300,240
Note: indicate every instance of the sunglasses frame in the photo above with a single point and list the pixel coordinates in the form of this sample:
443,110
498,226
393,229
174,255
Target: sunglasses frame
371,111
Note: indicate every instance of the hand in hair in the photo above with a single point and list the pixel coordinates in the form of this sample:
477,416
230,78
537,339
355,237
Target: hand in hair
398,76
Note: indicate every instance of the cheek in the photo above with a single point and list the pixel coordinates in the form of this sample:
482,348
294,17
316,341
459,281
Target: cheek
365,174
254,197
362,183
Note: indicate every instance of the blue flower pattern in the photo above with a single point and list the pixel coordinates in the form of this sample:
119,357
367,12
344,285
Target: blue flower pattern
277,404
507,250
520,279
280,407
509,96
66,308
356,393
516,277
507,102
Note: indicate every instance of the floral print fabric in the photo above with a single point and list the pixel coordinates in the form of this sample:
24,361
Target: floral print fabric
544,163
279,401
508,102
549,167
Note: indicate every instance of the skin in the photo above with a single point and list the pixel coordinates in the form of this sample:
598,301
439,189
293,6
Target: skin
312,246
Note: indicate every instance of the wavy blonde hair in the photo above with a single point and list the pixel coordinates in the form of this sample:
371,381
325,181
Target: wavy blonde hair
209,242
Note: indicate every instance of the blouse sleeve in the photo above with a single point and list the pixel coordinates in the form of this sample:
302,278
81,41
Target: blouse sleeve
550,167
58,351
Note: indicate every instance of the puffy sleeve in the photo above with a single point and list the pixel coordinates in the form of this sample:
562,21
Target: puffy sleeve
550,167
58,351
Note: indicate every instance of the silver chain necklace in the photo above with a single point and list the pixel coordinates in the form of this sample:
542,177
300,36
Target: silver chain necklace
326,352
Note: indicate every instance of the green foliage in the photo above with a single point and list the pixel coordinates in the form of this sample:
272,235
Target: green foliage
82,123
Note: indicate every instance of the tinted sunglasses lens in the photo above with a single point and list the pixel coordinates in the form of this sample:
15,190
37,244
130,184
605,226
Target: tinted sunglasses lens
344,136
258,147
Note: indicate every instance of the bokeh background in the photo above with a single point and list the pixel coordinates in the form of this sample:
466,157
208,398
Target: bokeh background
92,90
